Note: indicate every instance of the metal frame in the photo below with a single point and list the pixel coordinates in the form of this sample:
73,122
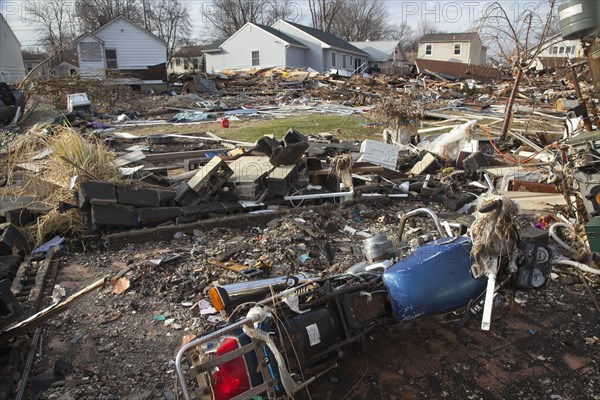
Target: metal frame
420,211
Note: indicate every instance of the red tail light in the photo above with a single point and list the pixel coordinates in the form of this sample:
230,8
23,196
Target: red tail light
231,379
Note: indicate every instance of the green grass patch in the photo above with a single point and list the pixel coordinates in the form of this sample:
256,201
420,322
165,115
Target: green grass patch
352,127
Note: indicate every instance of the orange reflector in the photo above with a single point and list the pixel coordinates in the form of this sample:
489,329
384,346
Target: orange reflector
215,299
598,198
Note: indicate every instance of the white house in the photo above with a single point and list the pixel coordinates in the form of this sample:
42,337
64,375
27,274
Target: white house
121,45
12,69
187,59
284,44
556,46
387,57
555,52
463,48
255,46
325,50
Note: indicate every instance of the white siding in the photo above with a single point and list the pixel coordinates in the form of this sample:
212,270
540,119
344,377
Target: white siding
562,48
296,57
236,52
136,49
445,52
314,55
12,69
90,69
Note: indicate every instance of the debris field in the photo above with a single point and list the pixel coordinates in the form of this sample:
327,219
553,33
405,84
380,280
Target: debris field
121,209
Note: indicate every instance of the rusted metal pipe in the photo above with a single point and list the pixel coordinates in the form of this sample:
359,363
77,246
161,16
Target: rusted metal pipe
509,106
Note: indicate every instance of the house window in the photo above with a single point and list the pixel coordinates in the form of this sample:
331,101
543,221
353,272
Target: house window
111,58
90,52
186,64
561,50
255,58
351,61
554,50
344,61
178,62
333,60
428,49
195,63
457,49
396,51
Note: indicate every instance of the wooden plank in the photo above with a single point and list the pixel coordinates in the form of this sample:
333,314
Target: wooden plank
182,155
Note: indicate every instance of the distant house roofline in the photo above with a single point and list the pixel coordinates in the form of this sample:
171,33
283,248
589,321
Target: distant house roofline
449,37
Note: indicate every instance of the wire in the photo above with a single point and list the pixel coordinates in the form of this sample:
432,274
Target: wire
351,391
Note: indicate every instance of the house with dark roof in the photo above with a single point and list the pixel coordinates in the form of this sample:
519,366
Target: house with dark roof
465,47
124,46
386,57
187,59
284,44
325,50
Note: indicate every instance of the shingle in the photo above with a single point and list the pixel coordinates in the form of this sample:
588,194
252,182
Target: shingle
328,38
449,37
281,35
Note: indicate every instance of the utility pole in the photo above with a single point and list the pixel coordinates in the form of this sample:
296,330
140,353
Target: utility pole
145,14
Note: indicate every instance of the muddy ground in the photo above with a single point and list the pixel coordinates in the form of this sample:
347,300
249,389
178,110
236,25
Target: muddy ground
543,344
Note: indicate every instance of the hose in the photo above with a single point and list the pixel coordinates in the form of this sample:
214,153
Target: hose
554,236
576,264
561,243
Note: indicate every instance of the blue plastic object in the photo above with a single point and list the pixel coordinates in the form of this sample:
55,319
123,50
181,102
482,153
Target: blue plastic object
435,279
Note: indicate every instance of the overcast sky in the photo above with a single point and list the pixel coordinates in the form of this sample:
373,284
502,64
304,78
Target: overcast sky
450,16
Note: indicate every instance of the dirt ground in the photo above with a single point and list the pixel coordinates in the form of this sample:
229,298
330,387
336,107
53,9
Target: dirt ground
544,345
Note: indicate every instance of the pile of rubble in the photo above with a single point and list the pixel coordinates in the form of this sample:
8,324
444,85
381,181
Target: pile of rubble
303,202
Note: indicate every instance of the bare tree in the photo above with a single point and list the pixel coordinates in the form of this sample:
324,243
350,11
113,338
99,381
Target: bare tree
323,13
426,28
169,20
360,20
225,17
54,22
517,36
92,14
404,33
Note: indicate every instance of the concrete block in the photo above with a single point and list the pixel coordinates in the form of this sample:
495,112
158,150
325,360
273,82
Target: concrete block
185,196
281,180
191,164
137,197
427,164
96,192
115,216
157,216
12,241
210,178
166,198
9,266
249,176
474,162
379,153
87,221
203,211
